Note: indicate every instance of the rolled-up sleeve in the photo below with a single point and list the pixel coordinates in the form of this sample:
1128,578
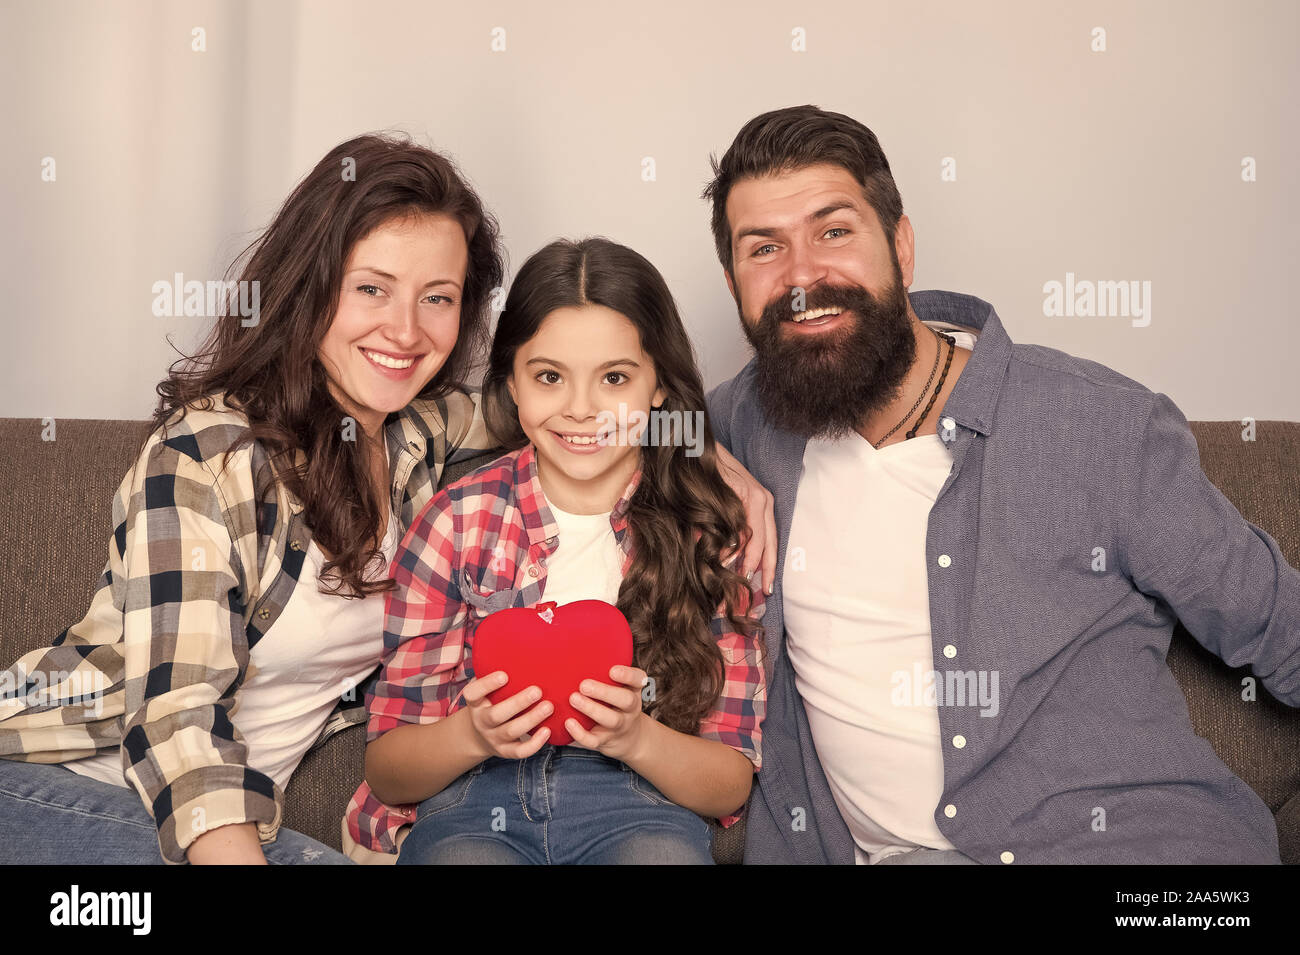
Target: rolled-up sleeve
186,653
1225,578
737,717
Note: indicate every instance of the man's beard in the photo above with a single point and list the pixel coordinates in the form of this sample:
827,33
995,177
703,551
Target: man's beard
826,385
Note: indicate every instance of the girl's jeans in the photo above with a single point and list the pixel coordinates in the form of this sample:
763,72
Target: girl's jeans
562,805
50,815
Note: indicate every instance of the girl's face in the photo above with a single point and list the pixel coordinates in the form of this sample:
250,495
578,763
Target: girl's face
569,380
398,315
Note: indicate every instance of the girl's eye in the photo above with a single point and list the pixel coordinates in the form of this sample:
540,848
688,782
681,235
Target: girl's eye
616,374
443,297
545,373
370,290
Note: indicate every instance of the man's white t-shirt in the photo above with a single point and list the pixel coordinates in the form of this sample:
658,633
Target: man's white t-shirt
319,647
856,604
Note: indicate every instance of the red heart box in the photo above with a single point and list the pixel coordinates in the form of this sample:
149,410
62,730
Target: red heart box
554,648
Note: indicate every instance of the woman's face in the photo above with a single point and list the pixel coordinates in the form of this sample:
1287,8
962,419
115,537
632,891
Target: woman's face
584,374
398,315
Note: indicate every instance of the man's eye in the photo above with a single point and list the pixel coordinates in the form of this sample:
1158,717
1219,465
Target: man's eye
837,229
760,249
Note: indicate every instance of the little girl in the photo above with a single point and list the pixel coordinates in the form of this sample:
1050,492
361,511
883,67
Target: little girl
586,507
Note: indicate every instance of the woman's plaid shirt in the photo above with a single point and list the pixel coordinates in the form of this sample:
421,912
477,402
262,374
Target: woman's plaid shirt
193,581
480,546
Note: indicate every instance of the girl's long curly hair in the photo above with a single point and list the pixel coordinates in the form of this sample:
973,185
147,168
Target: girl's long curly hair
271,369
676,580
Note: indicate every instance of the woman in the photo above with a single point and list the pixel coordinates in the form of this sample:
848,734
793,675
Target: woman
242,594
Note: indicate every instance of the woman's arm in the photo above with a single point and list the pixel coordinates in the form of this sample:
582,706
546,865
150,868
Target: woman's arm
186,654
228,845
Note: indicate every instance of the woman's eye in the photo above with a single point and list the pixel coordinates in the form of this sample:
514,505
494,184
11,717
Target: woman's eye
433,298
545,373
371,290
616,374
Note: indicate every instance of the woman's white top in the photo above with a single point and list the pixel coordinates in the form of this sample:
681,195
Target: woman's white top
320,647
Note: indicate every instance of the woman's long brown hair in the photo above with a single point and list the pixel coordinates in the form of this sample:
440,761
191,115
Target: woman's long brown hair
271,370
675,582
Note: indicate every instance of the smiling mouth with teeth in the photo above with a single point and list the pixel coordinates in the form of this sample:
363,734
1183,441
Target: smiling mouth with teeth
388,361
579,438
816,316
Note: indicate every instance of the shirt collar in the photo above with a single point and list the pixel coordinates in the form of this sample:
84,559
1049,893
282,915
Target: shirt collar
975,396
540,523
403,430
407,428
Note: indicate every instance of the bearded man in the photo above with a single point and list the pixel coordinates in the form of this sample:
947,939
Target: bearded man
983,550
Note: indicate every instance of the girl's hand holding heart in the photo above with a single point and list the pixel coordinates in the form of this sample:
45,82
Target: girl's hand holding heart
499,726
616,710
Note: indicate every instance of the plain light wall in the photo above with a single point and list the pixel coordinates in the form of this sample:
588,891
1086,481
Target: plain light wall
1122,164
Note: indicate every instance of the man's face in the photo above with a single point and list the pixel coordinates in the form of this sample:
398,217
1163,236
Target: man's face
821,293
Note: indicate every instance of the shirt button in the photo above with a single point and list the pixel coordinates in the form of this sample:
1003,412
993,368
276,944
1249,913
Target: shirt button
944,560
532,571
950,810
959,741
948,424
264,613
295,545
950,651
1008,857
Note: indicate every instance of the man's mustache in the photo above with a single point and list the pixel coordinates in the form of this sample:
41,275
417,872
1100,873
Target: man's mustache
782,308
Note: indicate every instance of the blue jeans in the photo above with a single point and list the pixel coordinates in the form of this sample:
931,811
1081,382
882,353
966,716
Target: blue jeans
50,815
562,805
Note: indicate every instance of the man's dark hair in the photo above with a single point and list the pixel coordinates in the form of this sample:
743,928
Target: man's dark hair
785,140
